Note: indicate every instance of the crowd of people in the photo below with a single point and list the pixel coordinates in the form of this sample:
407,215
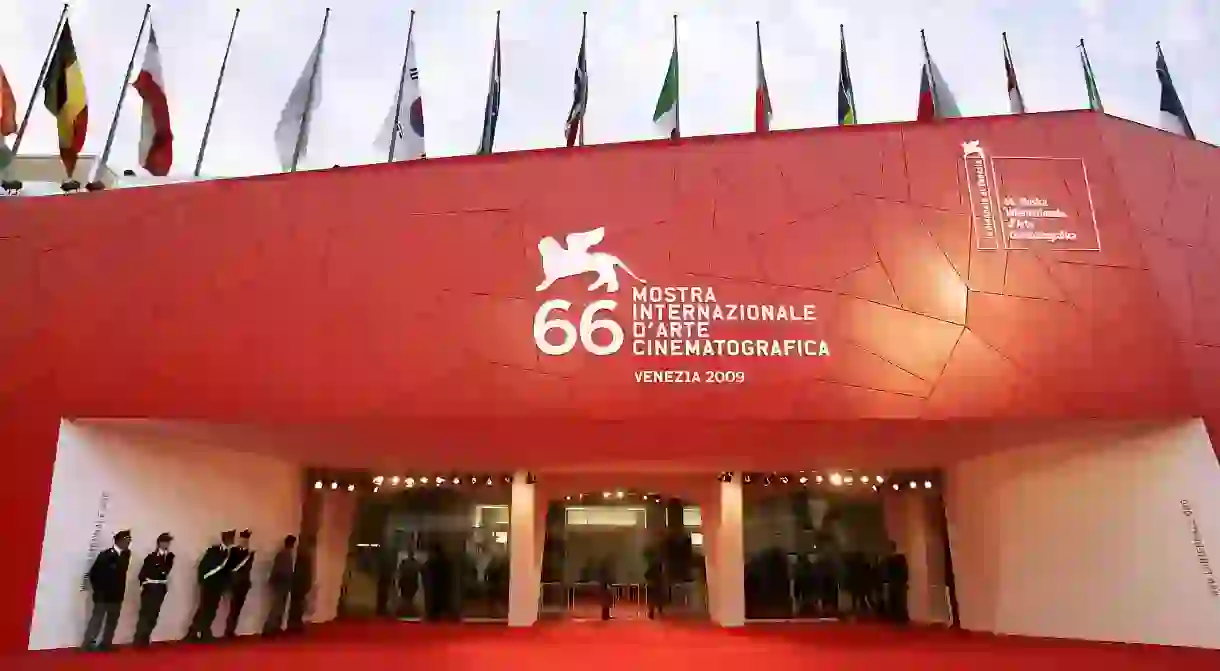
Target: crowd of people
447,582
223,572
780,584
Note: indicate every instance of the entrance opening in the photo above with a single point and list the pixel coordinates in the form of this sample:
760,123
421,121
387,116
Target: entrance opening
846,544
623,555
431,547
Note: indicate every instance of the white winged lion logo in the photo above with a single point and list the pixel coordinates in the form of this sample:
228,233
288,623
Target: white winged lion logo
558,263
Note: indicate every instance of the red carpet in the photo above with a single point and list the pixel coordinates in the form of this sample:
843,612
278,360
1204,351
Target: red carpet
627,646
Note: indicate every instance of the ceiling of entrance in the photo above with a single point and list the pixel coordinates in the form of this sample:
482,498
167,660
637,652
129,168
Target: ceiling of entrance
622,447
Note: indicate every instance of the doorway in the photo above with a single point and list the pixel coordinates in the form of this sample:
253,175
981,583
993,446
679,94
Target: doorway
622,555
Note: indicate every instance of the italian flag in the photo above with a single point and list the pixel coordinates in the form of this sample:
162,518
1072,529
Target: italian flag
8,119
762,96
666,114
156,134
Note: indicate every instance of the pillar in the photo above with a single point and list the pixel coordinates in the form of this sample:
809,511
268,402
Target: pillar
726,569
338,511
909,523
526,533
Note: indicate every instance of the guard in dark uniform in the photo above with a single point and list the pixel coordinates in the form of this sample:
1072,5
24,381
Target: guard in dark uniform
213,581
241,561
108,579
154,583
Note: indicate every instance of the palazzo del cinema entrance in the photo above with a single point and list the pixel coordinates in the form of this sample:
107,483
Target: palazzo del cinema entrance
829,544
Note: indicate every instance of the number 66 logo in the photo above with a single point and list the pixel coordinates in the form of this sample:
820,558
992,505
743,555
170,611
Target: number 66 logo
589,325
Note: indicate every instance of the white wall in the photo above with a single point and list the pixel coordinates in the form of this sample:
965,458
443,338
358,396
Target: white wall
1087,538
154,485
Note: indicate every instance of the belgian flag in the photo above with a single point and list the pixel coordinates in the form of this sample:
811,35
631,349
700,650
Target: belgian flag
64,97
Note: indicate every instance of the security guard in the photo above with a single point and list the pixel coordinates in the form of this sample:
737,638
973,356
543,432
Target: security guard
108,579
241,560
154,583
213,580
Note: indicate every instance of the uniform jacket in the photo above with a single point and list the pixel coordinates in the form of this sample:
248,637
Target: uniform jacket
241,561
213,564
108,575
156,568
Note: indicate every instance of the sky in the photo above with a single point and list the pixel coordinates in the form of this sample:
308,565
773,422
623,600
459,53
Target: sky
628,51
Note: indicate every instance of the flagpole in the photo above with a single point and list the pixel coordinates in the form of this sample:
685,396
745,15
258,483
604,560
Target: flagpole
927,59
584,26
114,123
42,74
305,116
677,83
402,81
207,128
1090,76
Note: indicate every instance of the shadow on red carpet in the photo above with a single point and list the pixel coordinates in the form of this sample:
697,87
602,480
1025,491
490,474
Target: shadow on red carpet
622,646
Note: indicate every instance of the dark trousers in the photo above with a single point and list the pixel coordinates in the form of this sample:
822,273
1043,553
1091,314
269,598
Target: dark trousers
896,603
296,610
205,614
103,619
237,601
274,623
656,600
151,598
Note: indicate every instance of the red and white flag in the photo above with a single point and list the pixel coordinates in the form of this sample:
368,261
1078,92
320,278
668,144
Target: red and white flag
8,107
156,136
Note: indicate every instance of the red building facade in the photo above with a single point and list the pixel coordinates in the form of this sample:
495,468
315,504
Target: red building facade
409,294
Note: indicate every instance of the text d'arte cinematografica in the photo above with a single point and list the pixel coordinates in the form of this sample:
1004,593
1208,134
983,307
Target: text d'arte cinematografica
677,321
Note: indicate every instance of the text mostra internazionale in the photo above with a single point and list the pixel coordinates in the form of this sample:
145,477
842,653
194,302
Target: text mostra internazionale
676,321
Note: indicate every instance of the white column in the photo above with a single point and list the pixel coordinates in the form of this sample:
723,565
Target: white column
524,547
709,512
729,547
909,524
330,562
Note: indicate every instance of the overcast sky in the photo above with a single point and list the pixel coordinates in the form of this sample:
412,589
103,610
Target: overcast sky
629,43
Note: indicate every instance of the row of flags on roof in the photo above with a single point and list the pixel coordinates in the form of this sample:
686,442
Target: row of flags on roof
402,135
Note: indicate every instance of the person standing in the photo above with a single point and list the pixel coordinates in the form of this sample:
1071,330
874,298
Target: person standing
302,584
897,578
279,584
154,583
241,562
108,580
605,578
213,580
408,585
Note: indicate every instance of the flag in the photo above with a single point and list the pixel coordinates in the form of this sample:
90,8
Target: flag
935,99
762,96
580,96
156,134
1016,102
847,96
666,115
304,100
8,119
409,113
1090,82
1173,114
64,97
491,109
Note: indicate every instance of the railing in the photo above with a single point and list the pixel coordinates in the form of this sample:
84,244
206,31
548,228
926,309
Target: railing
627,600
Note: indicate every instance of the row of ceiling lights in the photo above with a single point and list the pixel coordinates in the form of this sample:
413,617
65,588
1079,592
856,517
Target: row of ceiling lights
410,482
834,479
